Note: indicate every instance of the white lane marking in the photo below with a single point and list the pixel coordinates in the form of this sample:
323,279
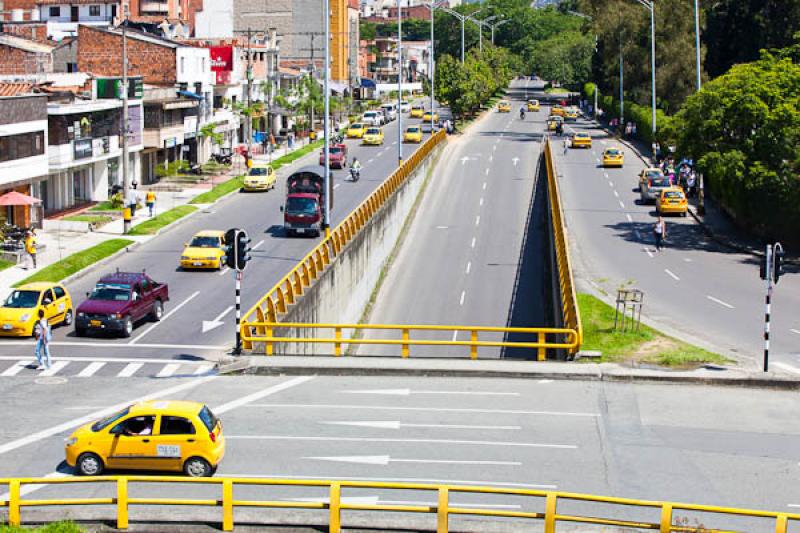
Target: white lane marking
487,171
603,142
384,460
396,424
223,271
409,392
605,174
616,193
611,184
15,369
720,302
101,359
167,370
224,408
455,335
55,368
490,159
370,161
337,186
477,220
473,242
27,489
469,266
494,147
672,274
163,318
257,245
405,480
687,260
407,441
622,204
484,185
788,368
71,424
452,504
796,331
91,369
480,202
649,252
129,370
629,217
794,505
461,300
427,409
203,369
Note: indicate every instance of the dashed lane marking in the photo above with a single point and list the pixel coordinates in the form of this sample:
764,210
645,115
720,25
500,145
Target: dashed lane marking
795,331
480,202
473,243
672,274
484,185
629,217
469,266
720,302
477,220
616,194
463,295
223,271
622,204
487,171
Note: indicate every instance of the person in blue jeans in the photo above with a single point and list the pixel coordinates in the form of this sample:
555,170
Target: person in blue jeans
43,342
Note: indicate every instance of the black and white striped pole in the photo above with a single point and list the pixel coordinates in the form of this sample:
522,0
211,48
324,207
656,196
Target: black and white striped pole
769,274
236,257
237,349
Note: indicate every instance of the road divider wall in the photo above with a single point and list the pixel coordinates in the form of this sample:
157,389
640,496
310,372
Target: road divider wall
567,300
315,292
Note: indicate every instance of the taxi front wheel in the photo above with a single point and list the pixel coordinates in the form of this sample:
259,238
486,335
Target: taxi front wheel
89,464
197,467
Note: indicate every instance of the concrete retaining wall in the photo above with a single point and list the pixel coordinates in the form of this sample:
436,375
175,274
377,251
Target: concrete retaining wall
341,294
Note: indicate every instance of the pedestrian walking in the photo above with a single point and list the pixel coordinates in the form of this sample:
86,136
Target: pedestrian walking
566,145
150,201
42,350
31,241
131,201
660,233
633,129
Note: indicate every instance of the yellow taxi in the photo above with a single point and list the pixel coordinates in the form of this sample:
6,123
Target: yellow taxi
427,116
356,131
417,111
373,136
533,105
571,114
553,122
260,177
557,111
205,250
504,106
672,201
153,435
581,140
413,134
613,157
20,312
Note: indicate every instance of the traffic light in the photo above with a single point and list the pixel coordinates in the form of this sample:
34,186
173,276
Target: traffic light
777,263
242,250
230,247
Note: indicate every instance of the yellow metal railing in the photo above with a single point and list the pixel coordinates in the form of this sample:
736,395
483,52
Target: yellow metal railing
547,502
546,338
569,300
292,286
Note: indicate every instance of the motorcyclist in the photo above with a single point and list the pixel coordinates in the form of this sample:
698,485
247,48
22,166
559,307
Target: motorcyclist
355,169
522,113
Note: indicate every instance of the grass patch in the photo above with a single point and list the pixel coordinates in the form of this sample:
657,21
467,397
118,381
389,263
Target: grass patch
5,264
297,154
166,218
92,219
55,527
105,206
646,345
77,261
556,90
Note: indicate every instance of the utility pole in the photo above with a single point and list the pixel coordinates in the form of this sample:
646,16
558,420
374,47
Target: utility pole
126,179
697,43
400,83
248,130
326,148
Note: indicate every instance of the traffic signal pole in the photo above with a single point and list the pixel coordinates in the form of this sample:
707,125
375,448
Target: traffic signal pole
236,258
767,306
237,349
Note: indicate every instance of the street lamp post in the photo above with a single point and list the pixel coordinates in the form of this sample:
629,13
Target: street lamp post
325,125
480,24
497,25
463,19
697,43
650,4
399,83
431,60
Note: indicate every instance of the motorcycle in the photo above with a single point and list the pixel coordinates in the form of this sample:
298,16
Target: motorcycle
522,114
355,174
222,159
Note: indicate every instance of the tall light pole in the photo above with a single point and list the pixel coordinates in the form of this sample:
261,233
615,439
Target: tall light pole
326,139
497,25
126,178
480,24
462,18
697,43
399,83
431,59
650,4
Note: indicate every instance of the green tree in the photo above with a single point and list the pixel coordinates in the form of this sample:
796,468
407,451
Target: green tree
566,58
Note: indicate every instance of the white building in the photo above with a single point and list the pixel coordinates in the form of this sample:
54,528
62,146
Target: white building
62,17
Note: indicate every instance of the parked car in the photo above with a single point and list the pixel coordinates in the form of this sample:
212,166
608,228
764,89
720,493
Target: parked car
119,301
651,182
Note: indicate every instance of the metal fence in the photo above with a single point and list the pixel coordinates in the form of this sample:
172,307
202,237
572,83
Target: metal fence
544,504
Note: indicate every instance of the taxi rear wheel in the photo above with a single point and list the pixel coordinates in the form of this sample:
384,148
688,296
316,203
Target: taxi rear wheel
89,464
197,467
68,318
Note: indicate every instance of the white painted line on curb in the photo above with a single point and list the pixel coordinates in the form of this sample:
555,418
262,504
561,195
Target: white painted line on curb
409,441
720,302
91,369
671,274
163,318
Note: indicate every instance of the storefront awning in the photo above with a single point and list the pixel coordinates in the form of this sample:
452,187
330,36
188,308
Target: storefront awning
367,83
190,94
17,198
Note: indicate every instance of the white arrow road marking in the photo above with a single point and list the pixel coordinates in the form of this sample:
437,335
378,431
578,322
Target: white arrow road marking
163,318
208,325
405,441
408,392
384,460
396,424
515,160
720,302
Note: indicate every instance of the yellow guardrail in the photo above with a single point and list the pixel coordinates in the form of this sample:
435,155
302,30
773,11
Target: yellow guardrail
335,504
546,338
569,300
291,287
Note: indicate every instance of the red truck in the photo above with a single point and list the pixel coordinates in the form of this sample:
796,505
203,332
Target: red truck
304,211
337,157
119,301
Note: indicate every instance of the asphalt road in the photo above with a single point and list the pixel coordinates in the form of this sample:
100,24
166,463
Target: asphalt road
207,296
695,286
680,443
474,255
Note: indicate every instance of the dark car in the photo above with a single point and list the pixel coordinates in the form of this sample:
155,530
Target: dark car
119,301
337,158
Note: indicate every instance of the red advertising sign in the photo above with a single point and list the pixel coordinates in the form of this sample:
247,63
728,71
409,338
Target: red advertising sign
222,63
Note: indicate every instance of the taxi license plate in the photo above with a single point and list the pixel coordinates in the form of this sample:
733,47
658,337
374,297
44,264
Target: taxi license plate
7,326
197,263
95,323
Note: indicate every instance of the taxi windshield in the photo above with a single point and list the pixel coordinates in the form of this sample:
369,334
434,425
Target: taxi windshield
112,292
301,206
612,152
22,299
413,130
356,126
258,171
105,422
205,242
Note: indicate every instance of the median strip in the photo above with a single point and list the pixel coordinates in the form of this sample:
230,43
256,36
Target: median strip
76,262
152,226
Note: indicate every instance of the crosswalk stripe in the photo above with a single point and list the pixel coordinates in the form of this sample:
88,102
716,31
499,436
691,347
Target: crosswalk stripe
168,370
90,369
55,368
15,369
129,370
203,369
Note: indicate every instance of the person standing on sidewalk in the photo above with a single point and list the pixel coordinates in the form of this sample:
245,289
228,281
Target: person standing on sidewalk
150,201
30,246
43,342
660,233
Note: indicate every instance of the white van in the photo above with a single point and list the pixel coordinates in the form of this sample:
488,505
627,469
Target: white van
373,118
390,110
